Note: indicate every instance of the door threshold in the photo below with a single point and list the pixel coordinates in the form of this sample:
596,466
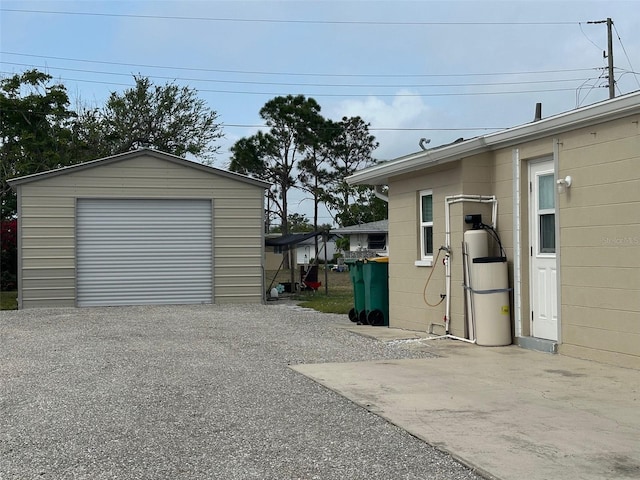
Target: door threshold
538,344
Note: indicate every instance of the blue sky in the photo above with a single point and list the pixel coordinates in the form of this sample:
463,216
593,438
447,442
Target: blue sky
435,69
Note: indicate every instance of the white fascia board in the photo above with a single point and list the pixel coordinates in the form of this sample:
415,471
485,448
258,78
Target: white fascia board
593,114
380,174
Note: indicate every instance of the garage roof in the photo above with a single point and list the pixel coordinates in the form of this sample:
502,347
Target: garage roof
133,154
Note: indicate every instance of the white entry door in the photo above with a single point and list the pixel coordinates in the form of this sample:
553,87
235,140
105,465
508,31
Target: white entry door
544,302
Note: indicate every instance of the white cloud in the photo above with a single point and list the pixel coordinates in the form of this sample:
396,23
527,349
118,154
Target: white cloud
394,116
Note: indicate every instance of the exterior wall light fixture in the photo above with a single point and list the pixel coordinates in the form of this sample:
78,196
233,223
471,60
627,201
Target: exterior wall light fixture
564,183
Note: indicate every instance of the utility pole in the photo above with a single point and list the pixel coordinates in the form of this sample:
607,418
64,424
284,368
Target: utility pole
609,56
612,81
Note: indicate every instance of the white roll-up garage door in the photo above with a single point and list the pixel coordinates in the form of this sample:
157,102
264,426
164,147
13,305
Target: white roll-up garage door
136,252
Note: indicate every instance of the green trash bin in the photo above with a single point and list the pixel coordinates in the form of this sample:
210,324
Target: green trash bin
376,293
357,281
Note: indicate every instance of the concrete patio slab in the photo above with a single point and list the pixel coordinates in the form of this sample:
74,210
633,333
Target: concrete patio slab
508,412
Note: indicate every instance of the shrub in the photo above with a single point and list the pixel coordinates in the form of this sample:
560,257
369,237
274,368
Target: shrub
9,254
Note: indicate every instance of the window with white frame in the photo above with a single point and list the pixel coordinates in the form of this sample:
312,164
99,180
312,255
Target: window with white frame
426,228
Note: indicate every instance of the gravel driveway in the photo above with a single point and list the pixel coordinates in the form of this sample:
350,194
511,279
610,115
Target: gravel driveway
193,392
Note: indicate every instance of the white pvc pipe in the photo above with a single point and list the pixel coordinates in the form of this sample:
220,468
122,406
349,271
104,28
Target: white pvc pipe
448,201
517,249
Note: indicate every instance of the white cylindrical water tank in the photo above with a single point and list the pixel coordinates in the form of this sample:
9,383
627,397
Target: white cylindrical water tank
477,242
490,290
476,245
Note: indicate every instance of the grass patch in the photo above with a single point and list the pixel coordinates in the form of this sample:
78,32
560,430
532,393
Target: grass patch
9,300
340,292
339,300
333,303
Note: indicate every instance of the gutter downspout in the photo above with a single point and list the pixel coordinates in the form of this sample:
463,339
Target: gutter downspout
378,193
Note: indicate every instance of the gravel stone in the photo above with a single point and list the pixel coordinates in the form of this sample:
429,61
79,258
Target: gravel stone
194,392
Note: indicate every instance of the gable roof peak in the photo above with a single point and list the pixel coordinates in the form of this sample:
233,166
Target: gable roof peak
141,151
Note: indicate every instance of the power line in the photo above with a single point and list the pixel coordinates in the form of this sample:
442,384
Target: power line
590,41
253,72
386,129
271,20
241,92
625,54
289,84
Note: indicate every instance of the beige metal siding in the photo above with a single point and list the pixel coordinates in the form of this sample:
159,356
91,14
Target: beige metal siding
48,223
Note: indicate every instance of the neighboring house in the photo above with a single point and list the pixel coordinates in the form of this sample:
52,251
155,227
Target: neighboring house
304,244
306,250
567,192
366,239
273,254
143,227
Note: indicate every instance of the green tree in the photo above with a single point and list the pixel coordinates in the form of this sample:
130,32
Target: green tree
38,131
352,150
298,223
89,138
366,207
170,118
273,156
313,168
248,157
343,244
35,129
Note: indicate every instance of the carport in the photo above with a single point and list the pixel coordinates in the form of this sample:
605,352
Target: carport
286,242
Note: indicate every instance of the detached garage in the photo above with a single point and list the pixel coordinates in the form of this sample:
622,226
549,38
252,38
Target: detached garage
143,227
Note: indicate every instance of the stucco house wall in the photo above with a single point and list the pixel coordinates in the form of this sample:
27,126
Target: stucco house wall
407,308
600,239
47,212
597,226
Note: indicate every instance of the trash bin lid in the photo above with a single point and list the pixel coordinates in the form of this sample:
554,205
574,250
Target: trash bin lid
377,260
